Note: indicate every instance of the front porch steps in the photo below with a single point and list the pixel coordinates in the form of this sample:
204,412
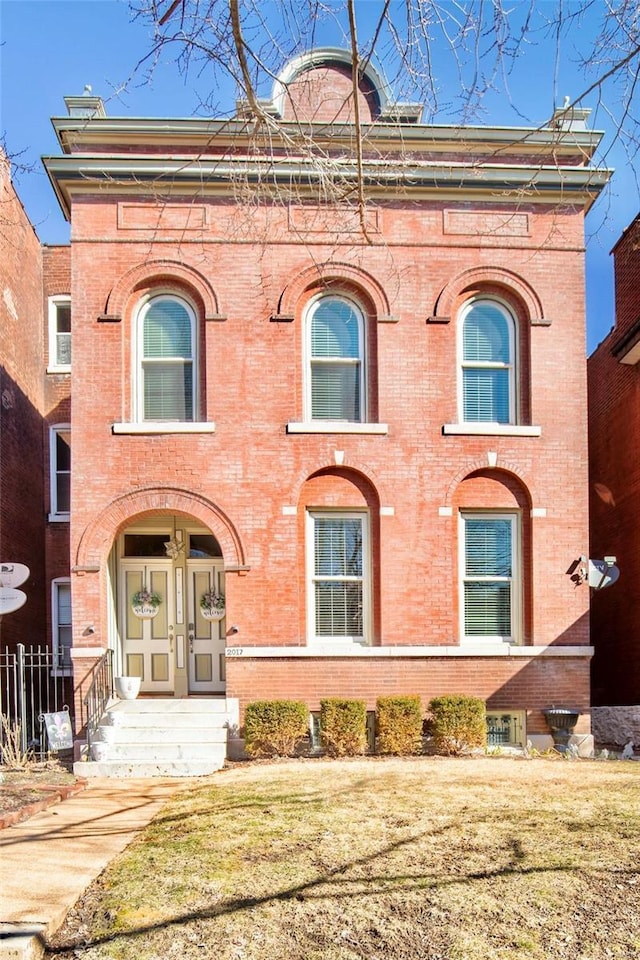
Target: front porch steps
161,737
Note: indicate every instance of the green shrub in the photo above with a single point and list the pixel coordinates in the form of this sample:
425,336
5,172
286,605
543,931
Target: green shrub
458,723
343,726
399,725
274,728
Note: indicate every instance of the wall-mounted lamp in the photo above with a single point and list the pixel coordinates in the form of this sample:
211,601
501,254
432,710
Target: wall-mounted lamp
89,630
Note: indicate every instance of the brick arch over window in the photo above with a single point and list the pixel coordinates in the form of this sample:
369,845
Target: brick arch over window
156,273
492,278
360,476
491,487
333,276
508,475
98,536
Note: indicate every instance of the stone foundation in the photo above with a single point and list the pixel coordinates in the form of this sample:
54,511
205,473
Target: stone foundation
616,726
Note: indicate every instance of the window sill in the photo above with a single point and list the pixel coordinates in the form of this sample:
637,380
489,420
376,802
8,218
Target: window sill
163,427
59,518
490,430
338,426
55,369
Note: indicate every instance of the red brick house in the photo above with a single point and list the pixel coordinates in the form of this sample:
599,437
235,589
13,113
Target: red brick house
343,418
34,407
614,424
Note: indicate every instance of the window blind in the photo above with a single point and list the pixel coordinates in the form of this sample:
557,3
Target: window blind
336,361
168,391
486,333
335,391
338,576
167,361
488,577
335,330
487,364
63,472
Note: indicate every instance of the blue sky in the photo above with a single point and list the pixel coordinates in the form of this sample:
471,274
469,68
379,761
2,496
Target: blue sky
53,48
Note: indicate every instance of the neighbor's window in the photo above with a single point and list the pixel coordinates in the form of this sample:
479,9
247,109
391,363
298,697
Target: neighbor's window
59,334
166,371
335,369
60,471
490,581
61,622
488,372
339,575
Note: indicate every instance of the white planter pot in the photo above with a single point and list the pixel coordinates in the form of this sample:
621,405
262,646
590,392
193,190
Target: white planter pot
127,688
212,614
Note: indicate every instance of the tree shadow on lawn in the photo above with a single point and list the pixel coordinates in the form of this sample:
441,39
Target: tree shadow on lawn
375,885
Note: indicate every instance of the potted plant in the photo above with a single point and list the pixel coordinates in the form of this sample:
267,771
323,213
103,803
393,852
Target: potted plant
212,605
145,603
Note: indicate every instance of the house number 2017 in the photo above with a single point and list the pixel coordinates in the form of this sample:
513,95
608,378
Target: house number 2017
233,651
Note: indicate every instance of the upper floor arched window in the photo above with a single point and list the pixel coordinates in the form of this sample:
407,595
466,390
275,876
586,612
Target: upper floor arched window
335,360
488,374
166,373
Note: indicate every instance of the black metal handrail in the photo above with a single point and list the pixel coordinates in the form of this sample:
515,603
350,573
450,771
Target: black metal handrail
98,695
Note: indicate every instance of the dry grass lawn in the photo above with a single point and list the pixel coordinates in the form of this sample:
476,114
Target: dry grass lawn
441,859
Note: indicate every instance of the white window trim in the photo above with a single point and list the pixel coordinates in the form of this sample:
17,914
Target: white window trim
307,361
55,515
138,359
515,638
54,366
513,367
313,640
163,426
477,429
55,625
338,426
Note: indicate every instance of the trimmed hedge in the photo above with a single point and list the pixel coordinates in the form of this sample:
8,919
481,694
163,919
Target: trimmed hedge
274,728
343,726
399,725
458,723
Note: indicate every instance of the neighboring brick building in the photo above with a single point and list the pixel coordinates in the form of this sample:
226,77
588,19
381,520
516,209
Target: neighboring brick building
30,399
371,441
614,427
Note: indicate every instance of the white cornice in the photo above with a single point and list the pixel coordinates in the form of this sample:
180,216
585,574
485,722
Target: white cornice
185,176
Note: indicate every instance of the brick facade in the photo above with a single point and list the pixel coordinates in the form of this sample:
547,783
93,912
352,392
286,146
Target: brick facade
21,413
614,423
250,271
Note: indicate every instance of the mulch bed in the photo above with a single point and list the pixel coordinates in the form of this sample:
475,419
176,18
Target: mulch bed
24,793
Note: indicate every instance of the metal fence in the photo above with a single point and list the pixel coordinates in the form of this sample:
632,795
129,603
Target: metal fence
31,685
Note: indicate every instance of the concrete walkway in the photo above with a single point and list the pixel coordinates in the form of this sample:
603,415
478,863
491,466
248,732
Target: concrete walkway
48,861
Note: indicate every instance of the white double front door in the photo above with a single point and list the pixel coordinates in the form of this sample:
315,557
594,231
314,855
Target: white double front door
177,650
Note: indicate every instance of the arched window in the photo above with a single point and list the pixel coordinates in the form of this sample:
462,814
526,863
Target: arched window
335,368
488,369
166,369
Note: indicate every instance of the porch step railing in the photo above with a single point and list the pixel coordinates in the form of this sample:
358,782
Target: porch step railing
98,695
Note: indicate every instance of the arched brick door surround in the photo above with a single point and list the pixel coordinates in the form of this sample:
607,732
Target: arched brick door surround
99,535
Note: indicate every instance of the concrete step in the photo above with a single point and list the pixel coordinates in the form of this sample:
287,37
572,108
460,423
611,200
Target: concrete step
189,705
161,737
132,733
157,751
171,721
147,768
